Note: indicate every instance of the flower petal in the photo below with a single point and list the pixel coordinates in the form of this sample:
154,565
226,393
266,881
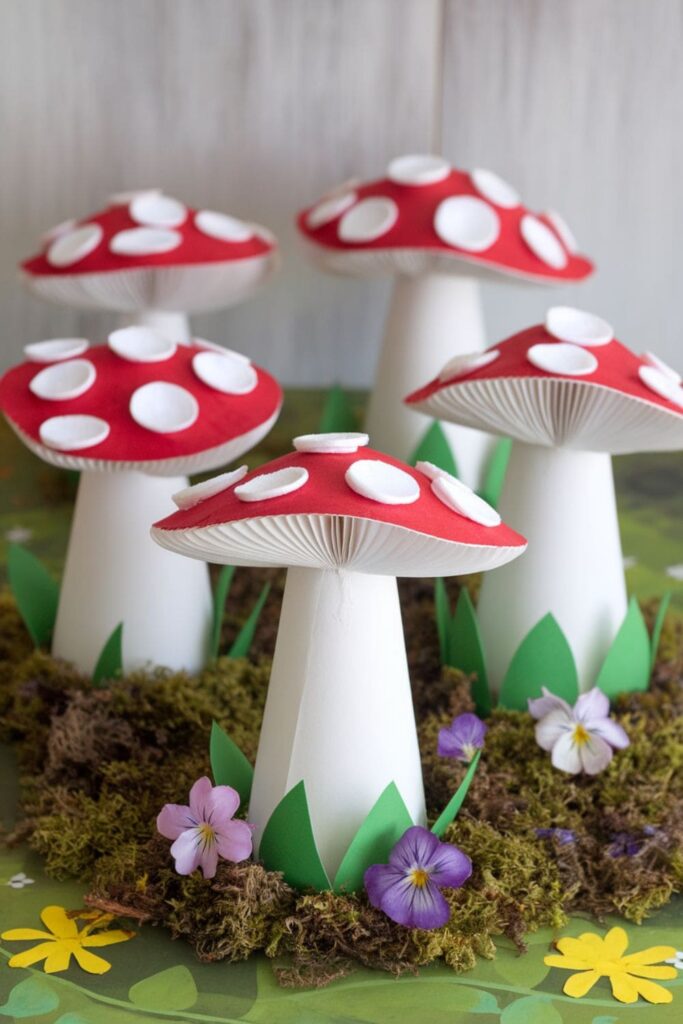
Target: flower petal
415,847
56,921
566,963
234,841
107,938
581,947
378,879
208,860
653,993
651,955
221,804
449,866
566,755
174,819
658,973
186,851
539,707
623,988
595,755
414,906
611,732
90,962
21,934
579,984
592,706
199,794
615,944
58,959
552,727
33,955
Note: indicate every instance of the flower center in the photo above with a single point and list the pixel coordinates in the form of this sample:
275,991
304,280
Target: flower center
419,877
469,751
581,735
205,834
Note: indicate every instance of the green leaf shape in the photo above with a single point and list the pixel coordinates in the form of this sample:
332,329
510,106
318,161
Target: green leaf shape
442,614
245,637
219,600
229,766
110,662
531,1010
288,844
467,651
451,809
526,971
544,658
76,1018
626,668
658,626
337,415
172,989
494,477
386,822
35,591
30,998
435,448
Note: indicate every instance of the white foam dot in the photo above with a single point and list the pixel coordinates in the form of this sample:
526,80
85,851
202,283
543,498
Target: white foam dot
429,469
222,226
145,241
466,222
461,366
563,230
141,345
461,499
63,228
653,360
543,242
494,188
272,485
569,324
63,381
329,209
69,433
418,169
339,443
56,349
662,384
562,358
163,408
382,482
74,246
191,496
154,210
225,371
368,219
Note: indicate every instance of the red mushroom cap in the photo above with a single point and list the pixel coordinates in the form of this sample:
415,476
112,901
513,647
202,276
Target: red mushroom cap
425,215
166,244
331,507
566,383
140,403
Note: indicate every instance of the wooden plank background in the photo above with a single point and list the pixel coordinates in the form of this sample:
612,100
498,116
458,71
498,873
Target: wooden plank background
257,106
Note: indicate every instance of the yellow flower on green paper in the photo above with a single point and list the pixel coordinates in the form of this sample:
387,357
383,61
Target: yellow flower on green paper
630,976
63,940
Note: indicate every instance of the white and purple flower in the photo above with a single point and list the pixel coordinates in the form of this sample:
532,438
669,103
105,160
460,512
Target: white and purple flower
580,739
463,737
408,888
19,881
205,830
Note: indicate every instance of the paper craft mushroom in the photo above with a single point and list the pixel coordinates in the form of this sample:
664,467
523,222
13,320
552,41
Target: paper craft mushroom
571,396
345,521
437,230
149,256
135,416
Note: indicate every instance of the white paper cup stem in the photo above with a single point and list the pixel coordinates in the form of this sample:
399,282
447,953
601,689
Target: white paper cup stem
174,326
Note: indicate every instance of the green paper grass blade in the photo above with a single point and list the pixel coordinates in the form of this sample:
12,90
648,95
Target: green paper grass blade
494,477
219,598
626,668
337,415
544,658
451,809
467,652
375,839
435,448
110,662
229,766
288,844
36,593
245,637
658,626
442,614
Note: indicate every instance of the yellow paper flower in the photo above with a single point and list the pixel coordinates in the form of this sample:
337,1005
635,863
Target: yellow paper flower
604,958
63,940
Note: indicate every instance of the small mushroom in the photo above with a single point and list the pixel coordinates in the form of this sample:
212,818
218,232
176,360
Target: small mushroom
438,231
345,521
571,396
152,259
134,416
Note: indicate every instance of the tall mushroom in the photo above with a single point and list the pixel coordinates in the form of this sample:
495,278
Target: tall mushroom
345,521
133,416
153,259
437,231
571,396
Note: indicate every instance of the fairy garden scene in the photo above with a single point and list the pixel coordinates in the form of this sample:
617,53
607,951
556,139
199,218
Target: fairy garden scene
369,701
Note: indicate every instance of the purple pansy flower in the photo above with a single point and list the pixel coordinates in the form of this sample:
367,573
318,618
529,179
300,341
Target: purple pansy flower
408,888
564,836
581,738
205,830
463,737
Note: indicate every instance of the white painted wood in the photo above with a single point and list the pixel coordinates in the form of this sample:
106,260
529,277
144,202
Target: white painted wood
579,104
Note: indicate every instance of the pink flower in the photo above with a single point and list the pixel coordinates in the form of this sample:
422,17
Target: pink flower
582,738
205,830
